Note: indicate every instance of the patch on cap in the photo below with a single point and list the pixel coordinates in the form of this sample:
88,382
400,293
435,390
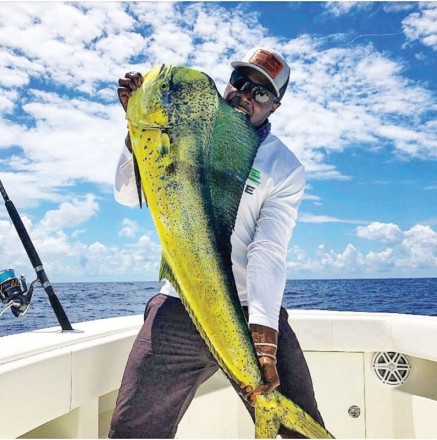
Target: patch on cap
267,61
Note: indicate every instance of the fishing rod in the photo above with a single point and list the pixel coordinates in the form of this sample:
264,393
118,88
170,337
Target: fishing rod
14,293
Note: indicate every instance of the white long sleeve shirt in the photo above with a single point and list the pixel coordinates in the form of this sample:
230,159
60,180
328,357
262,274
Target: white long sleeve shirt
265,220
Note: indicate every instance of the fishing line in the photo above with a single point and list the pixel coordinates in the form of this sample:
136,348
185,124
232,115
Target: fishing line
375,35
382,35
339,35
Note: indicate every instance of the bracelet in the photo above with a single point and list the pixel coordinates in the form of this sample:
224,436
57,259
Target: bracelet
271,356
267,344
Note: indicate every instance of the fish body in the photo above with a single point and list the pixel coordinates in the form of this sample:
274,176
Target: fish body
194,153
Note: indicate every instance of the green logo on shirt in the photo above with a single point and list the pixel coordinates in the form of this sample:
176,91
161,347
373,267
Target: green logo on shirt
255,176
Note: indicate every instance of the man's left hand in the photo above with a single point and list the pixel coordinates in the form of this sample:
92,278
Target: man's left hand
131,82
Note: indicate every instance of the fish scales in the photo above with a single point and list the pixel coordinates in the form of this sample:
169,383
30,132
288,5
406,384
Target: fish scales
194,154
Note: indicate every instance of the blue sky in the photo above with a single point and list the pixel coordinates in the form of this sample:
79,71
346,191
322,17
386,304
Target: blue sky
360,113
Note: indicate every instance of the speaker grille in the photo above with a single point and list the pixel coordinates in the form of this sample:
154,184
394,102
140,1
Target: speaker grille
391,368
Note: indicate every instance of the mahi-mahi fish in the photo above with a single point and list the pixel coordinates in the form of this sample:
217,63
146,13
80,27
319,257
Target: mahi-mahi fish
193,153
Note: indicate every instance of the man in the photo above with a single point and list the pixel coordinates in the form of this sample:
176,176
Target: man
169,359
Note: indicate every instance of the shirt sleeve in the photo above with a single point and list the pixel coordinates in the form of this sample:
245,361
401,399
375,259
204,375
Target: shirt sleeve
125,186
266,267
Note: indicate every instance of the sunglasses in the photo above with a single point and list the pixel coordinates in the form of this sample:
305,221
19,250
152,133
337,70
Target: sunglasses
259,93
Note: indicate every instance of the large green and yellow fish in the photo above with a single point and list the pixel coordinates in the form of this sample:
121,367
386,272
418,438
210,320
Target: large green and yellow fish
194,153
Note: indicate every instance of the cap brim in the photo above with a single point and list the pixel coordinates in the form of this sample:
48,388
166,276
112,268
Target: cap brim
236,64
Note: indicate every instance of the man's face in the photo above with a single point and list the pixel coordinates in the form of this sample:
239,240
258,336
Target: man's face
242,99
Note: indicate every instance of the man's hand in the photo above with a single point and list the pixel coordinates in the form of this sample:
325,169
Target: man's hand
131,82
266,343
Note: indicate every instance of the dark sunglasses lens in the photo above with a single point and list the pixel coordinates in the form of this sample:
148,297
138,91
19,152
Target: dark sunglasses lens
261,94
238,79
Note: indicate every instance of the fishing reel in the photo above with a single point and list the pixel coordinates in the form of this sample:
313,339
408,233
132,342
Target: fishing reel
14,293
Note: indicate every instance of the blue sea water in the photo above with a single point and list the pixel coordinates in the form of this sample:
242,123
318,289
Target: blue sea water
90,301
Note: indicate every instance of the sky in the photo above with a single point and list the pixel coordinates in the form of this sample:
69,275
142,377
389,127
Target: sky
360,113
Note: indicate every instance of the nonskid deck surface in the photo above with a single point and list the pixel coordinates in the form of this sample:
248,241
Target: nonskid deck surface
68,381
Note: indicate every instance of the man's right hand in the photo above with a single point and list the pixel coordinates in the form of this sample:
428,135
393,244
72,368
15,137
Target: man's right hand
131,82
266,343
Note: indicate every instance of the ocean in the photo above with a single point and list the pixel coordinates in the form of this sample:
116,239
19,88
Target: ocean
90,301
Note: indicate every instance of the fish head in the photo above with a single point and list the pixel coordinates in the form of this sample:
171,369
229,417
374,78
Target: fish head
172,96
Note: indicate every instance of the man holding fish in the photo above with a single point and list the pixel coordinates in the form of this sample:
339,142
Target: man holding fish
170,359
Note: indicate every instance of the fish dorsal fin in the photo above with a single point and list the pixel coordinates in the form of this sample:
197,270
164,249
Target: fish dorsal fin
228,163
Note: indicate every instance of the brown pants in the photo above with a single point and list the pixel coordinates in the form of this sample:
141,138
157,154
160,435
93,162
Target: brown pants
169,361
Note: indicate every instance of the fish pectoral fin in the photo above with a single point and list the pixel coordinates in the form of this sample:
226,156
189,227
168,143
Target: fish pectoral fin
274,410
166,272
138,182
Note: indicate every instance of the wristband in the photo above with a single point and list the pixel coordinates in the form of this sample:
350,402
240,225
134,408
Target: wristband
271,356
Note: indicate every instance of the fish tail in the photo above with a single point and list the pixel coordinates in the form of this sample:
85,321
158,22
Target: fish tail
275,410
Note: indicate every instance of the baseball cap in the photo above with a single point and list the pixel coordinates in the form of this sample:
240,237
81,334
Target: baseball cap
268,62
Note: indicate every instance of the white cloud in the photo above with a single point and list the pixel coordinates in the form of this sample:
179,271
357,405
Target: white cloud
383,232
345,7
342,97
410,251
139,260
65,50
12,78
70,141
306,217
380,260
415,248
419,247
70,214
7,102
312,197
11,249
129,228
77,232
412,142
422,25
349,262
399,6
297,253
349,259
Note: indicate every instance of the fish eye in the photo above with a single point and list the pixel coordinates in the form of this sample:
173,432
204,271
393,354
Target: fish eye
164,86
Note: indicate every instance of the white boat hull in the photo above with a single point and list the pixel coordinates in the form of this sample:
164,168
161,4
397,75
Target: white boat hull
64,385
